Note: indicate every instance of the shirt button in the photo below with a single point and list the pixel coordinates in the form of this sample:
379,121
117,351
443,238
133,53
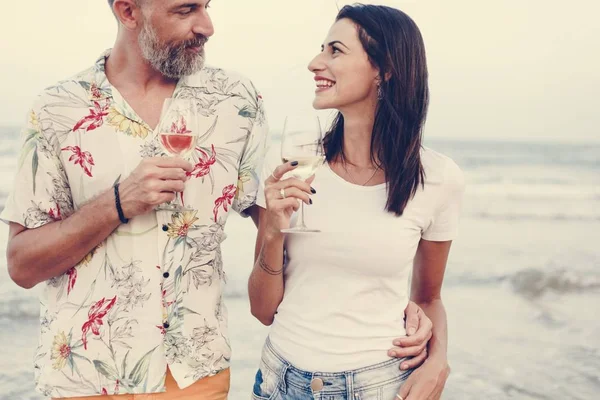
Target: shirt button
166,275
166,325
165,228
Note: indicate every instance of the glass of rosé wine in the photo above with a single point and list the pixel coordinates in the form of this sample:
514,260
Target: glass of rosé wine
178,131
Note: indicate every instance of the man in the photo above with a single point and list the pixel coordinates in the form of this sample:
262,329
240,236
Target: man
133,296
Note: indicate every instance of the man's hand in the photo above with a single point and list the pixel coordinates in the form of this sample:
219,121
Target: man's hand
418,330
426,382
153,182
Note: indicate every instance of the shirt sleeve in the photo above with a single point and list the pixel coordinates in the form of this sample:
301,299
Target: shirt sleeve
444,224
40,193
252,159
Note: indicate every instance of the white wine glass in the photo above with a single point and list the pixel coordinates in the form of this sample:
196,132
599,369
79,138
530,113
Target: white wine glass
302,141
178,132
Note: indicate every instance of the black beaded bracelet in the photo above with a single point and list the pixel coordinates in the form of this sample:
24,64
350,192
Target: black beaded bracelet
118,204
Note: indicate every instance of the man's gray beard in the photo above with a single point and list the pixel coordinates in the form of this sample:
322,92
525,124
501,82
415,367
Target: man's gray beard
171,61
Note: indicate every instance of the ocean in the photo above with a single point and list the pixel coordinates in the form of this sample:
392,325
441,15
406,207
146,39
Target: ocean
522,287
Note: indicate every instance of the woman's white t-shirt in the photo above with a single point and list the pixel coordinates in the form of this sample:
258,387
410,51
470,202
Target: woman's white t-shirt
346,288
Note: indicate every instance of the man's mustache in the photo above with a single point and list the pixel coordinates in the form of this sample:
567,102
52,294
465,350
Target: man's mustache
198,41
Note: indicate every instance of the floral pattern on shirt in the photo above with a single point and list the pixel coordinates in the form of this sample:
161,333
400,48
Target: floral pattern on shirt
150,295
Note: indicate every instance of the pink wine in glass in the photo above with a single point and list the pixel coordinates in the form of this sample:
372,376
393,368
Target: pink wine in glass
177,144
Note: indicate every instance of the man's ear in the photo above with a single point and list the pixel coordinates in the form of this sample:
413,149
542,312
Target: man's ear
128,13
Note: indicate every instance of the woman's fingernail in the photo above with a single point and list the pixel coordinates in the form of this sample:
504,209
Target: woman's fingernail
392,353
397,343
404,367
294,163
312,190
309,201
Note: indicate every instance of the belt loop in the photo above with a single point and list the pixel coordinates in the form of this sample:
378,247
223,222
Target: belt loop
350,384
282,380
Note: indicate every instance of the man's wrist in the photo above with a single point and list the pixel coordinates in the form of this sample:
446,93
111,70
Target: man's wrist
106,204
438,358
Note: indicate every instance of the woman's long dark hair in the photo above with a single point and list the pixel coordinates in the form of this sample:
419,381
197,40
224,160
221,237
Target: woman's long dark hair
395,46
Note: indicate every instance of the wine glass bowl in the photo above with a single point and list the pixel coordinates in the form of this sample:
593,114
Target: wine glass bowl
302,141
178,132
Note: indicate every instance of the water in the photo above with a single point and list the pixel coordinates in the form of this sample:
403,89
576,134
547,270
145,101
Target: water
522,287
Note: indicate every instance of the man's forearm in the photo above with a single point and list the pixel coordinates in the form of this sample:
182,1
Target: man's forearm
36,255
438,345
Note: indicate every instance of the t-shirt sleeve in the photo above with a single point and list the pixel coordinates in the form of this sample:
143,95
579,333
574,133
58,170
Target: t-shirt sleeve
40,193
444,224
272,161
252,158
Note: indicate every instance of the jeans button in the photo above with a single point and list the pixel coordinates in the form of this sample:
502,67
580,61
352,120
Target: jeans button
316,384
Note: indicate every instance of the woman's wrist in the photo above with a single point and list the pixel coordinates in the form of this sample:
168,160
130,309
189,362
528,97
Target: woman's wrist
273,237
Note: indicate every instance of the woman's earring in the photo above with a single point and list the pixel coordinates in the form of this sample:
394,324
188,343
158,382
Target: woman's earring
379,92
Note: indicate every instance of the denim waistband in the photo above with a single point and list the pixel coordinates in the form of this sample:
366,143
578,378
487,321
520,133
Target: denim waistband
332,382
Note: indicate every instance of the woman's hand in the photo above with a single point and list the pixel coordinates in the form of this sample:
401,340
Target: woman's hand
427,382
283,197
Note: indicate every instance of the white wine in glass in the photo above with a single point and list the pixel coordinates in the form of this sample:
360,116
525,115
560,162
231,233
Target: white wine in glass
178,131
307,166
302,141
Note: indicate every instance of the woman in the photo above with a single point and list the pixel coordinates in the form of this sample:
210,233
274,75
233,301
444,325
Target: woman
386,206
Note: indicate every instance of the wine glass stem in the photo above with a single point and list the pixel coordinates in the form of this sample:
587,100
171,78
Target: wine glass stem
302,224
179,199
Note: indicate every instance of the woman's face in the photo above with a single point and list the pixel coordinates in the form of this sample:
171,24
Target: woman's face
343,73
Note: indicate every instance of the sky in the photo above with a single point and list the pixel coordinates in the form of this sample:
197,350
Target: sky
510,69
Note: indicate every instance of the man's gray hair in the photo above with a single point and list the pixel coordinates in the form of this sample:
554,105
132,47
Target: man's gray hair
111,2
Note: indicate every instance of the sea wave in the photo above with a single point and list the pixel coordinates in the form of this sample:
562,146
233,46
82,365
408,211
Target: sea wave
19,308
477,154
535,189
533,283
568,215
555,277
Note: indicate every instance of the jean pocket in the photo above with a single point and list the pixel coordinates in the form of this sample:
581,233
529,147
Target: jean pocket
390,390
266,384
384,391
